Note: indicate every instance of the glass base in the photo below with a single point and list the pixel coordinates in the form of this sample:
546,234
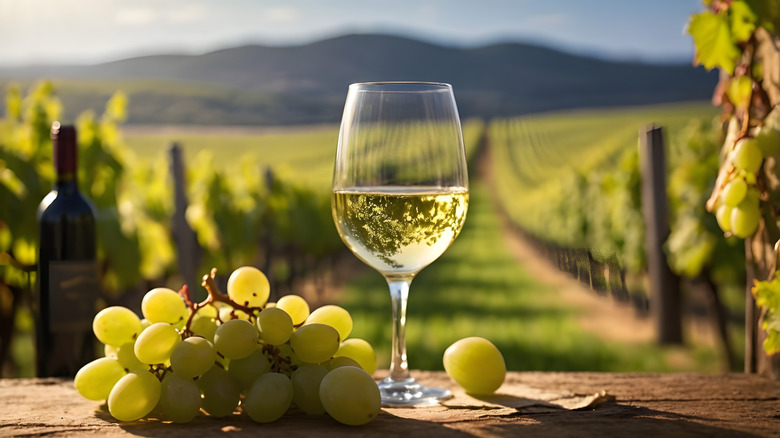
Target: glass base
409,393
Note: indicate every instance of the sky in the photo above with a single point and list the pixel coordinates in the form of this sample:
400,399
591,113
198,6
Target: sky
93,31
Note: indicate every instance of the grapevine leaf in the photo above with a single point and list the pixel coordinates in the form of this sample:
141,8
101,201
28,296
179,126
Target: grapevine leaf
714,46
743,20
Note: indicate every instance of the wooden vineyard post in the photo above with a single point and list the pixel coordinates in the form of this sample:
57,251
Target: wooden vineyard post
664,284
187,248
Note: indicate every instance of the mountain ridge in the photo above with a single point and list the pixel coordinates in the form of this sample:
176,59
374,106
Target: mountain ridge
310,80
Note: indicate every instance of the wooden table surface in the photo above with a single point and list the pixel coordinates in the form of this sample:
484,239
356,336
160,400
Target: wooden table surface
527,405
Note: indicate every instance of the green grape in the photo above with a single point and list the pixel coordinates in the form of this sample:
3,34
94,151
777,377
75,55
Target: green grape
204,326
315,343
208,311
723,216
116,326
246,370
163,305
360,351
155,344
768,141
340,361
134,396
236,338
295,306
126,356
734,192
268,398
220,392
275,326
306,382
746,155
350,396
95,379
334,316
476,365
192,357
179,398
745,218
248,286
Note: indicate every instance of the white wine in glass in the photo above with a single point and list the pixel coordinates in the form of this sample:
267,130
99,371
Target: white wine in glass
400,196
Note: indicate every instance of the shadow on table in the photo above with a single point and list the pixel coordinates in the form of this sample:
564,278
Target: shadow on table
606,419
293,424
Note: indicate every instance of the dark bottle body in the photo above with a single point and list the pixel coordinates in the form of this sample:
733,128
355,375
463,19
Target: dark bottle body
68,287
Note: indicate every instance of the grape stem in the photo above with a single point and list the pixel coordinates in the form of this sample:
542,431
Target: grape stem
215,295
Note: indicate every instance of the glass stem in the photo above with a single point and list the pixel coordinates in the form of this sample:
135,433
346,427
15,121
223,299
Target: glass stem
399,292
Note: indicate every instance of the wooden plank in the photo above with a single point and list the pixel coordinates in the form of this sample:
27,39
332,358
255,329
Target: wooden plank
732,405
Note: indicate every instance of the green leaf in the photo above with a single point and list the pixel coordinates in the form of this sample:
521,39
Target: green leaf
713,39
743,20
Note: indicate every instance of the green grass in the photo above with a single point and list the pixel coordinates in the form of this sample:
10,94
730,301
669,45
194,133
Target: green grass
477,288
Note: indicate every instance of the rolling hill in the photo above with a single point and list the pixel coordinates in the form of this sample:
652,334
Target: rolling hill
307,83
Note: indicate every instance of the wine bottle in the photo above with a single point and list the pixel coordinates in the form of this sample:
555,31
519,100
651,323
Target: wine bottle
68,286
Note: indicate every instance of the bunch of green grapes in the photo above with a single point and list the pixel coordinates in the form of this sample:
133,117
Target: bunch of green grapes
233,351
737,207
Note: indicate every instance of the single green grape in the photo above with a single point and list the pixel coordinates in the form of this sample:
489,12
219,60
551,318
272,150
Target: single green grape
220,392
204,326
236,338
269,398
295,306
248,286
180,398
156,343
275,326
126,356
723,216
350,396
340,361
746,155
476,365
306,380
116,326
334,316
95,380
745,218
315,343
246,370
360,351
734,192
163,305
134,396
192,357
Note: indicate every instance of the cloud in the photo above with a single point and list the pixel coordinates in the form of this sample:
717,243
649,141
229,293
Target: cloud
281,14
136,16
187,14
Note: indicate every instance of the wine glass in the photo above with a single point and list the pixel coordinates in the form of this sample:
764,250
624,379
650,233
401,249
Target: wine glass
400,195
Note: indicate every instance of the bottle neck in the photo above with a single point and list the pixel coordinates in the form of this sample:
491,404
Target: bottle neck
65,156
